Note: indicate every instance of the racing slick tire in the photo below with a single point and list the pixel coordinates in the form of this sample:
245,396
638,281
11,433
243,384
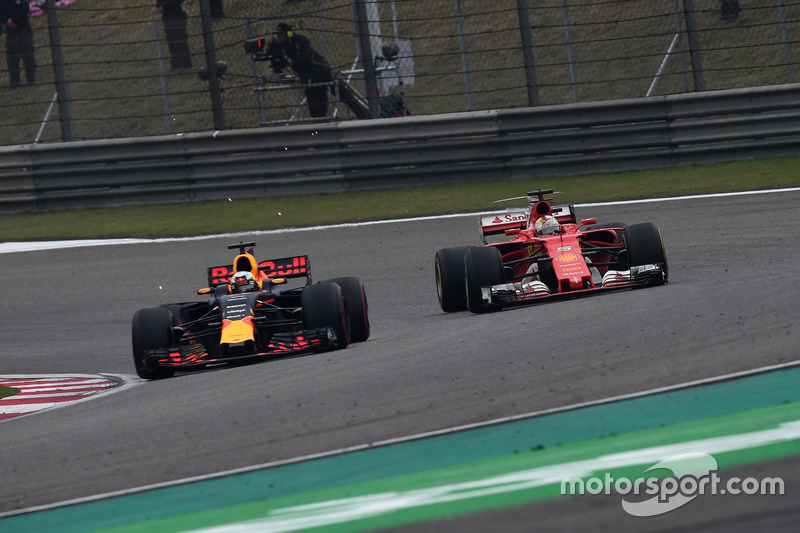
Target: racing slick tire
324,306
151,328
355,298
645,246
450,278
482,266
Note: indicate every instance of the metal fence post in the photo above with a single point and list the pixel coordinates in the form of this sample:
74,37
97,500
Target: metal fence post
786,46
164,89
694,46
464,64
527,52
679,30
366,58
211,61
256,78
570,55
62,91
321,28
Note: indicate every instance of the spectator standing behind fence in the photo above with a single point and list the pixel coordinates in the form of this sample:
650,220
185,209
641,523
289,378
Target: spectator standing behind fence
174,17
729,10
19,40
308,65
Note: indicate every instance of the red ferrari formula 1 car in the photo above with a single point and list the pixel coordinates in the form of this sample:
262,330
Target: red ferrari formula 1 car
250,311
550,255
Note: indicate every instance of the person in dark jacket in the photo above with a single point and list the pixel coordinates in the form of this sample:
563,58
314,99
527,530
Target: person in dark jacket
308,65
19,40
174,17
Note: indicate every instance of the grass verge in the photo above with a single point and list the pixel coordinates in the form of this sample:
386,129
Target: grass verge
175,220
7,391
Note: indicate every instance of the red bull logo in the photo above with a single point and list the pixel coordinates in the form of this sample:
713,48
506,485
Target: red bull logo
287,267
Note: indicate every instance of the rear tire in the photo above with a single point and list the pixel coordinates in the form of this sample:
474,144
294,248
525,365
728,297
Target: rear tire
482,266
355,298
450,278
645,246
151,328
323,306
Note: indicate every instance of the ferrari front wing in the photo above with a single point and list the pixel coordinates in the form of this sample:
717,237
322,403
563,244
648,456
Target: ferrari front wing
520,293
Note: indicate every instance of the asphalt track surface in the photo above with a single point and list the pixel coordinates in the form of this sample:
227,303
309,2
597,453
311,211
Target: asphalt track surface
730,306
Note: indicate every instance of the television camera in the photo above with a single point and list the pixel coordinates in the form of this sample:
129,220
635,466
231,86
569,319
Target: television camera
273,53
256,48
268,49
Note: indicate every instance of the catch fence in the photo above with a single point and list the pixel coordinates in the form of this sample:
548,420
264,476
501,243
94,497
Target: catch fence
111,61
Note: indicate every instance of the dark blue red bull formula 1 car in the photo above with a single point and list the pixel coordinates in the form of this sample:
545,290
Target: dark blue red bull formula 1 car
550,255
250,311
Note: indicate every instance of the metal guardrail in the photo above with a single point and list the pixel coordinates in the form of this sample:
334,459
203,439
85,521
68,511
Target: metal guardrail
656,132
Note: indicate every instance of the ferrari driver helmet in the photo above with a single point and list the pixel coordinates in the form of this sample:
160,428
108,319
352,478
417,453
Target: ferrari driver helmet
546,225
243,281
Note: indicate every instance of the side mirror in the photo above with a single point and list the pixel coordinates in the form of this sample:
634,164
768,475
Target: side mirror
587,221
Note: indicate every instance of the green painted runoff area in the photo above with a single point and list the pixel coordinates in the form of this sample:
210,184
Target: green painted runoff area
737,421
7,391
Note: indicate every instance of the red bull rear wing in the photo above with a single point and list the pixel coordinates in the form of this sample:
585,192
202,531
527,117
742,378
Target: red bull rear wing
287,267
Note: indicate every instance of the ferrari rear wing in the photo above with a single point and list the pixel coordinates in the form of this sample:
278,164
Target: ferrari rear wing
565,214
499,223
287,267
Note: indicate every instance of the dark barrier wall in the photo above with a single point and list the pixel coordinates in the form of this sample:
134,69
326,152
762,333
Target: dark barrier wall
655,132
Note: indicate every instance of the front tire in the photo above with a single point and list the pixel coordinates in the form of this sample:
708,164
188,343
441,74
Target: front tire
355,298
151,328
483,267
449,263
323,306
645,246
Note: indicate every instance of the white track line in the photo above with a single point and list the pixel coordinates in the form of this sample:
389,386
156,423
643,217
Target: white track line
13,247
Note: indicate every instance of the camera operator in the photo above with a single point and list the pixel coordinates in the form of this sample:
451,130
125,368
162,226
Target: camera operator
308,65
